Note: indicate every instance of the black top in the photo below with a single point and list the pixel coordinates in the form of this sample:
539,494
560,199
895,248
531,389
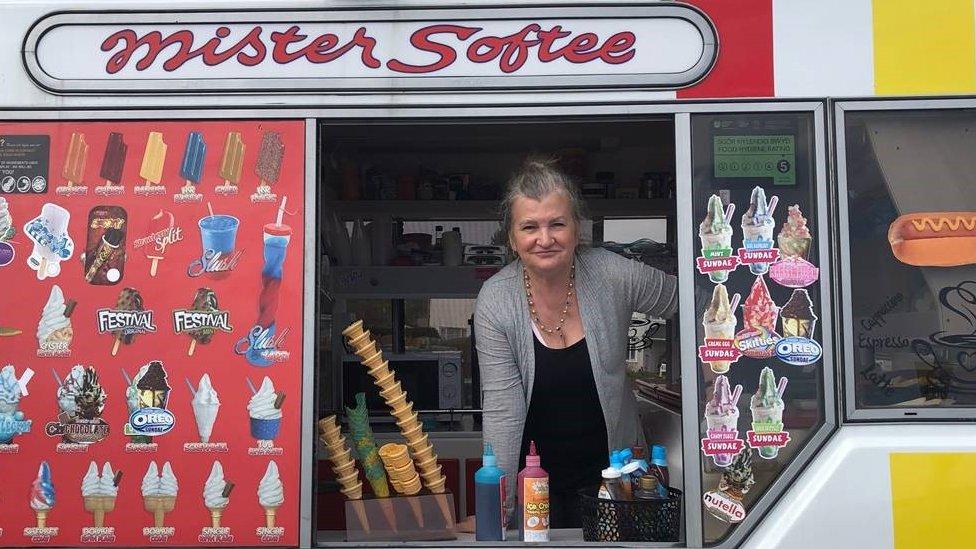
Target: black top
565,418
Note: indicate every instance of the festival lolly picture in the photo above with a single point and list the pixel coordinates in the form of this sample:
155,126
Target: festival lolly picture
52,244
137,314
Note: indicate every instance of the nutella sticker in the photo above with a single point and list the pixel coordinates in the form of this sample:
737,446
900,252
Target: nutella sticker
725,502
73,171
793,272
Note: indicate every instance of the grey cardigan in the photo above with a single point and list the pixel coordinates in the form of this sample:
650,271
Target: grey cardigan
609,288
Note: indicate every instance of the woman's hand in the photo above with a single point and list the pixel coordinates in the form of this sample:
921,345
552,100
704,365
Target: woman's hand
466,526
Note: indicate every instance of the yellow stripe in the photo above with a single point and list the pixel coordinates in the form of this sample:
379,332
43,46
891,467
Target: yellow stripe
931,499
924,47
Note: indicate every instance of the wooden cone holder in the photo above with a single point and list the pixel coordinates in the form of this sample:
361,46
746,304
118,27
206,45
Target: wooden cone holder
422,507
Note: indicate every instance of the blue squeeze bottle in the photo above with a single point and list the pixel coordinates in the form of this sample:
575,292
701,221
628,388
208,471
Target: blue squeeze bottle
489,490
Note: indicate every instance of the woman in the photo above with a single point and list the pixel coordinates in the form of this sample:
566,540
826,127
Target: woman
551,332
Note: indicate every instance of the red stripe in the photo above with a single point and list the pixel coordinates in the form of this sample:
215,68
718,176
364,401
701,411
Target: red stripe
745,52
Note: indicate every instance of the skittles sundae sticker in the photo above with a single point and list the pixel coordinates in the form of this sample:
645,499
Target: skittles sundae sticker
758,337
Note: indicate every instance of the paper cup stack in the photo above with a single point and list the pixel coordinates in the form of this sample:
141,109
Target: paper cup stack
344,466
420,448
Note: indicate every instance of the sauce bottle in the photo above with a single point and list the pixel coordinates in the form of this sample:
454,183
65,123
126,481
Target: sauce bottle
659,468
533,497
648,488
489,490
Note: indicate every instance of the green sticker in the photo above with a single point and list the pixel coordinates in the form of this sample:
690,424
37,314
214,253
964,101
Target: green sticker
752,156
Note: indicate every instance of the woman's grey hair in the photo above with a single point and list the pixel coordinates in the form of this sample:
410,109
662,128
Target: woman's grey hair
537,177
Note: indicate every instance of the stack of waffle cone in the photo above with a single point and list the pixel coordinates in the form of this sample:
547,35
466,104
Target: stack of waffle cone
403,476
402,409
344,466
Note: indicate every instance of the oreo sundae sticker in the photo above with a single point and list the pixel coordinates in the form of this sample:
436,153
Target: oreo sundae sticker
81,400
148,398
798,322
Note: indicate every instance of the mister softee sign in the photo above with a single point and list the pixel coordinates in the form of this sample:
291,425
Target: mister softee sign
660,46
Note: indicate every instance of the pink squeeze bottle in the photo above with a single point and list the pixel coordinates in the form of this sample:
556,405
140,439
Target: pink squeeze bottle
533,498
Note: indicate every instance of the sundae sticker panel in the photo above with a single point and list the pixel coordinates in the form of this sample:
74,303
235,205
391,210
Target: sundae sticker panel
100,268
722,420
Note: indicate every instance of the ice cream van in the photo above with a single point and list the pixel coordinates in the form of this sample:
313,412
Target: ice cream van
241,245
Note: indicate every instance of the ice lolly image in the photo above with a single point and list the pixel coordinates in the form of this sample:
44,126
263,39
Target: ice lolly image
797,316
205,405
52,245
767,407
759,310
719,322
271,493
112,243
722,416
276,238
74,163
159,492
105,245
42,494
715,233
205,300
232,161
100,491
758,225
344,467
153,159
129,300
264,409
216,493
794,238
7,229
113,160
54,331
191,168
268,166
160,223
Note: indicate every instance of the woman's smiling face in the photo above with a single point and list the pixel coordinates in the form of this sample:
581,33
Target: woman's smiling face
544,232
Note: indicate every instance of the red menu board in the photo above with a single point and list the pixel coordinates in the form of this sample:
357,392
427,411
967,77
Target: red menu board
151,332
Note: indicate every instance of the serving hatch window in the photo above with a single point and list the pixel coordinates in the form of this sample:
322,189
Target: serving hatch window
911,206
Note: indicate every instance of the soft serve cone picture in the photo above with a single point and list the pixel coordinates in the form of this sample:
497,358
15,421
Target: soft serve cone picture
271,494
159,491
205,405
264,411
99,491
54,330
216,493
